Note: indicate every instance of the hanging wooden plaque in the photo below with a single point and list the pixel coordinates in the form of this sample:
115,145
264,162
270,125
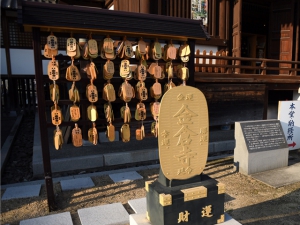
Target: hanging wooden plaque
183,134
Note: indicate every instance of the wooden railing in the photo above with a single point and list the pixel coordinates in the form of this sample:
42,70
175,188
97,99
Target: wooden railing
18,93
209,64
220,62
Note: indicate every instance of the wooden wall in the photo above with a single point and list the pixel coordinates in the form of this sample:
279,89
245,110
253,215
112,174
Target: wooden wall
228,103
139,6
175,8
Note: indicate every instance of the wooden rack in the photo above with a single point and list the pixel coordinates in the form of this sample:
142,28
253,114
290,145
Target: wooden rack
64,19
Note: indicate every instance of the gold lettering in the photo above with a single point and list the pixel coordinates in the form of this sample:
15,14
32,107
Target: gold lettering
183,216
206,211
189,97
165,134
180,97
165,142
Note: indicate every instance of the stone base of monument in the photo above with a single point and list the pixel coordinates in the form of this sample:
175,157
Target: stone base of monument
260,146
141,219
200,202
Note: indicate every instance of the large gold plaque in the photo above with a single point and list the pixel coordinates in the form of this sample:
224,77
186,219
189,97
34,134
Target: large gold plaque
183,133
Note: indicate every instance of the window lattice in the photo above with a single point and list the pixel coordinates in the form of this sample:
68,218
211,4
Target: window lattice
17,38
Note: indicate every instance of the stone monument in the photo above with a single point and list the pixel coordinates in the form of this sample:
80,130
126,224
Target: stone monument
182,194
260,146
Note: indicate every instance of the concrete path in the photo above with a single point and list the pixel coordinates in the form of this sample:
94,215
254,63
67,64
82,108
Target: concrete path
125,176
22,192
280,177
77,183
104,214
57,219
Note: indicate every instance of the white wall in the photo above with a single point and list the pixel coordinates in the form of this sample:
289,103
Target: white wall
22,62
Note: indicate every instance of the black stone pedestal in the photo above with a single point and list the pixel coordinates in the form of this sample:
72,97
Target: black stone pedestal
194,203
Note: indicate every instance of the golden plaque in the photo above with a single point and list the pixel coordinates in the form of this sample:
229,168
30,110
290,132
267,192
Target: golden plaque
183,135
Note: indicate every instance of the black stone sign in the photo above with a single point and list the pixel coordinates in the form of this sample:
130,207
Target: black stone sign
263,135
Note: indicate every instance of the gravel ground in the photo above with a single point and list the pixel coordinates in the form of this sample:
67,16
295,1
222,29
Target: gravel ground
19,164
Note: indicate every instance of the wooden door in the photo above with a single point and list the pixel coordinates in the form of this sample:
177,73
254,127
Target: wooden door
281,32
236,32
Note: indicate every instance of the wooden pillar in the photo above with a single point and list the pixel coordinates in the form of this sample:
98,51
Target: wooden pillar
145,6
42,118
214,18
222,19
297,36
227,29
209,22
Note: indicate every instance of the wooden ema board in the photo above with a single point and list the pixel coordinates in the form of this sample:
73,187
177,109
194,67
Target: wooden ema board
183,133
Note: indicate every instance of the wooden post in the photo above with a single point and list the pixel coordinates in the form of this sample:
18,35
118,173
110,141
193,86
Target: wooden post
191,63
223,62
214,18
204,61
263,66
222,19
197,61
297,38
42,118
228,70
145,6
210,62
227,29
216,69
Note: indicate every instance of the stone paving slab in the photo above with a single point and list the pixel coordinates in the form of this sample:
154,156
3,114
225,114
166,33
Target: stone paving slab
139,205
279,177
75,184
126,176
55,219
140,219
111,214
25,191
